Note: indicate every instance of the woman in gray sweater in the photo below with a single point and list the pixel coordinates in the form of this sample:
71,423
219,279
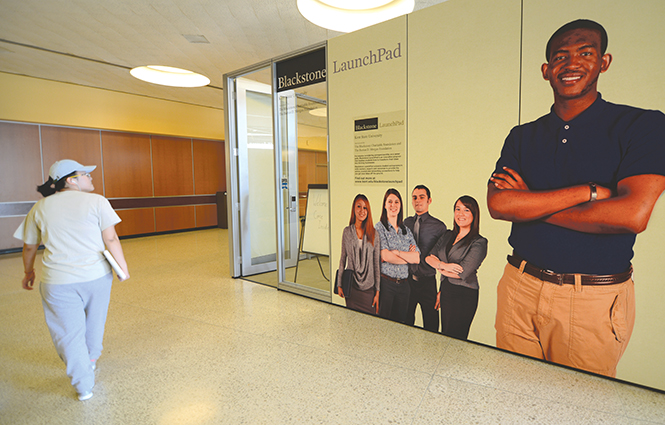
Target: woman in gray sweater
457,256
361,253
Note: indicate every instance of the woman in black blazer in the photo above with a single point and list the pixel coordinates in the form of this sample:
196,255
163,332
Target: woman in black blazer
457,256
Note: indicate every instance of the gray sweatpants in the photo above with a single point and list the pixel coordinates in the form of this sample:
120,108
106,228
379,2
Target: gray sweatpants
75,314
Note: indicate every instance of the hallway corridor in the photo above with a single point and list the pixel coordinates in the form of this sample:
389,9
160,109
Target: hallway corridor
185,344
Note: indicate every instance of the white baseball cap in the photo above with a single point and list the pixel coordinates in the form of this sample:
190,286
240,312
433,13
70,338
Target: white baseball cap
61,168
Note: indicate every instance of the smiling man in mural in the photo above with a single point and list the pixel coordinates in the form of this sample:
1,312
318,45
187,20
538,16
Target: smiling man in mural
426,230
578,184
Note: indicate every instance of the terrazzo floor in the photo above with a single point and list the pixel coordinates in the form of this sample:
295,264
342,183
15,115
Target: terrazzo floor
310,274
185,344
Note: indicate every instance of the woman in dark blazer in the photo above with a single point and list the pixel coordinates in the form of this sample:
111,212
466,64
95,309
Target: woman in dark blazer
457,256
361,253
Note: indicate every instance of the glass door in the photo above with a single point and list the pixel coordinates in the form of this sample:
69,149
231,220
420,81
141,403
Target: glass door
287,152
299,271
263,122
256,174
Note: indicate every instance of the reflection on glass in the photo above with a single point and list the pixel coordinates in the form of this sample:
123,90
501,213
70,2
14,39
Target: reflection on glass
261,176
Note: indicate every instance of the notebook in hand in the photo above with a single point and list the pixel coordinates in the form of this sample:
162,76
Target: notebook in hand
115,265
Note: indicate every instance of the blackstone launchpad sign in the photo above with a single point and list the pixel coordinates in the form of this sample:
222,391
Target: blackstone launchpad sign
379,149
303,70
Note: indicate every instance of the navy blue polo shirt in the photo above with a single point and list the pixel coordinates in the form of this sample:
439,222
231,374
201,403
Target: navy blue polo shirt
604,144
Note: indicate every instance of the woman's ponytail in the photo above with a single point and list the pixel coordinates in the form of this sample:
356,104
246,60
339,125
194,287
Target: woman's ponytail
50,186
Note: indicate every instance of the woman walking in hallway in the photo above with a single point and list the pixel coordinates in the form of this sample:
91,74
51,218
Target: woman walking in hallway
74,225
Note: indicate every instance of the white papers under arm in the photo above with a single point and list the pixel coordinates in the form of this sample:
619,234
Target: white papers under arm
115,265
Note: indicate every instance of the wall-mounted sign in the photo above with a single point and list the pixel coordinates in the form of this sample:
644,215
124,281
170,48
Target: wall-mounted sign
380,149
303,70
372,57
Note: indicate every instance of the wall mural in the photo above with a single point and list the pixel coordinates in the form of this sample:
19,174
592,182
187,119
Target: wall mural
576,186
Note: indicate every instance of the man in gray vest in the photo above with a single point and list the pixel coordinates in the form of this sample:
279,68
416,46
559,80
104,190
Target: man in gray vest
422,277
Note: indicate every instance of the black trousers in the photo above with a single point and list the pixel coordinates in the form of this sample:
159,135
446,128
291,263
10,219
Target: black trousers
458,306
423,292
393,300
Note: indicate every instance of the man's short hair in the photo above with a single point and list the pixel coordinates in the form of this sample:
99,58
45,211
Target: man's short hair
580,23
425,188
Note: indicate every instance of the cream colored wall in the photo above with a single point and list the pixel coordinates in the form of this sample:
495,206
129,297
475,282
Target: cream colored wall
463,100
35,100
637,43
361,92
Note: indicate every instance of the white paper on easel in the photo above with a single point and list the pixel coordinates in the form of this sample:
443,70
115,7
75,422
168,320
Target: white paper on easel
115,265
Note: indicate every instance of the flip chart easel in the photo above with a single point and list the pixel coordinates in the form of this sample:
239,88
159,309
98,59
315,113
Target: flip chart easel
315,235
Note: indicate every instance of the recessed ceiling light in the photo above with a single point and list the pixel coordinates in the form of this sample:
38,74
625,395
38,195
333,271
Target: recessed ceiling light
351,15
168,76
196,38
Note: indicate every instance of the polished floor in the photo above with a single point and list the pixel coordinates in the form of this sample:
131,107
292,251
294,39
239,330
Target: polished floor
185,344
311,271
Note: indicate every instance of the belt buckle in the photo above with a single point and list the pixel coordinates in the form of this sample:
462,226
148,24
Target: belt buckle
559,277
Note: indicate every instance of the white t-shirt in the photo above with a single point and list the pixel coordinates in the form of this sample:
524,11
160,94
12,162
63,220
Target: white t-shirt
69,224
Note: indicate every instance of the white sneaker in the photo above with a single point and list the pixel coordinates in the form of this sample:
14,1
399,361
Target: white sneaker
94,365
85,396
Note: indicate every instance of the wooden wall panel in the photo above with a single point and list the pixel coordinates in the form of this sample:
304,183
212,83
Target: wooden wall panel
312,169
306,169
302,205
8,226
321,172
136,221
172,166
206,215
28,150
127,169
73,143
175,218
20,162
209,167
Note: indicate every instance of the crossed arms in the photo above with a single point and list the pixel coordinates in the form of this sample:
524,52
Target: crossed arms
626,211
393,256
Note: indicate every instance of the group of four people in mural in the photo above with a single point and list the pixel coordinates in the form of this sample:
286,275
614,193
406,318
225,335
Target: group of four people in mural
395,262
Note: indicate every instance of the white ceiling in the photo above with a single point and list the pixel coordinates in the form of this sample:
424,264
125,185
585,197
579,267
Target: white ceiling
94,43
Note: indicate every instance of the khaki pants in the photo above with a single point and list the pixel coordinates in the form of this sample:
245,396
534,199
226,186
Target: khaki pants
583,326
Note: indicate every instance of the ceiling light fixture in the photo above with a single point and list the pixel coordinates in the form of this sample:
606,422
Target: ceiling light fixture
319,112
196,38
351,15
168,76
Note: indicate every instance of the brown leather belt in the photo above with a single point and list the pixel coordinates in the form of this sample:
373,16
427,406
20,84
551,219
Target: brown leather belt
569,278
393,279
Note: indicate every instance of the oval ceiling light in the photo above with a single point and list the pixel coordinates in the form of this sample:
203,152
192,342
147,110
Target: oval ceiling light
168,76
356,4
351,15
319,112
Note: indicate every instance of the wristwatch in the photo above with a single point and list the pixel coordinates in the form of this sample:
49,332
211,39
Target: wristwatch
594,192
